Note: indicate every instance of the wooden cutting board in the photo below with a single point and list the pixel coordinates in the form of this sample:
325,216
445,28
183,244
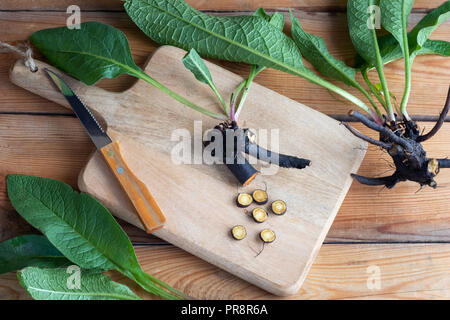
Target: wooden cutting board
199,200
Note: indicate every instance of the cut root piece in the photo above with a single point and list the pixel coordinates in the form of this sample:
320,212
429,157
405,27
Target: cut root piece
244,172
238,232
237,142
260,196
279,207
243,200
259,215
267,236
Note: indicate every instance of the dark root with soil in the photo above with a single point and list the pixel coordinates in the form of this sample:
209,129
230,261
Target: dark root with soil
236,160
403,142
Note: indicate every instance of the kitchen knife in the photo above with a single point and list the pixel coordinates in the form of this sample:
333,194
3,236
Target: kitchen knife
149,213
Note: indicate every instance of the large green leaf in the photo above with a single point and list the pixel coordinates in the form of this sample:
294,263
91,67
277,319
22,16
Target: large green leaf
315,51
52,284
390,49
422,31
97,51
93,52
29,250
248,39
394,18
77,225
363,37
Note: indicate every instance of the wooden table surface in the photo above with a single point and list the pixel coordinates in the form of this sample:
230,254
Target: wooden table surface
399,235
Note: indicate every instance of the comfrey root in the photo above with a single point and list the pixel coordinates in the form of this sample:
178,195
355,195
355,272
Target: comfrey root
243,141
402,140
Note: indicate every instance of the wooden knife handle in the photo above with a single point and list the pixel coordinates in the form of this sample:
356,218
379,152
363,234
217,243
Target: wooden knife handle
149,213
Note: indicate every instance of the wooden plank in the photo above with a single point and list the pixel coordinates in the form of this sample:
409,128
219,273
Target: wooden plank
430,75
54,147
406,271
394,215
243,5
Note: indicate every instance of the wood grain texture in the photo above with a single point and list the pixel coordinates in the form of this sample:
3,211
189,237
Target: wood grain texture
310,5
25,149
141,113
412,270
420,217
415,271
430,74
377,214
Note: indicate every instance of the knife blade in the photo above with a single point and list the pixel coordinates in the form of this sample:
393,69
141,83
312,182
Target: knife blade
148,210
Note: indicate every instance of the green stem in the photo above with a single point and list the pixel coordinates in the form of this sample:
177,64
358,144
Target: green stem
224,106
148,283
379,67
166,286
312,77
408,64
176,96
367,95
373,89
248,83
237,92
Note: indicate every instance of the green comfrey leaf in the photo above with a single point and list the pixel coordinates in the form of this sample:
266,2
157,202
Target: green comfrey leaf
247,39
363,38
54,284
194,63
315,51
439,47
394,18
97,51
422,31
29,250
197,66
93,52
391,51
176,23
360,14
79,226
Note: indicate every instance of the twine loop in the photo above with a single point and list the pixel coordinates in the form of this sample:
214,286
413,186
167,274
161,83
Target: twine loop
24,51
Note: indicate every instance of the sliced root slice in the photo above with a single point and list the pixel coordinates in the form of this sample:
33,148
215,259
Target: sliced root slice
260,196
259,215
243,200
238,232
267,236
279,207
